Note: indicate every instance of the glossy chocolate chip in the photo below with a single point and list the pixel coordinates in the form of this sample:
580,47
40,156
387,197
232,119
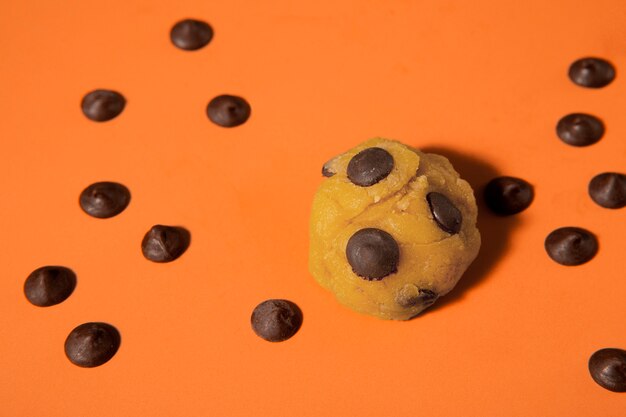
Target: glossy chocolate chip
165,243
104,199
103,105
592,72
608,368
608,190
228,111
579,129
191,35
571,246
92,344
370,166
410,296
446,214
508,195
373,254
49,285
276,320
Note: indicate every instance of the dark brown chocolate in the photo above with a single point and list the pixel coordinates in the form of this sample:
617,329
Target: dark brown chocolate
592,72
92,344
103,105
228,111
191,34
276,320
370,166
49,285
608,368
165,243
104,199
580,129
571,246
373,254
506,196
445,213
608,190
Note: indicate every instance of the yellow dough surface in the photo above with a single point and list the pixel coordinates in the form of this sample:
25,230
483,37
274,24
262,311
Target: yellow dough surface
431,260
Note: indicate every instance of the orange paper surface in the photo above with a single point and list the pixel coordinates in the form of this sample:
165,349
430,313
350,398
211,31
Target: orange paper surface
483,82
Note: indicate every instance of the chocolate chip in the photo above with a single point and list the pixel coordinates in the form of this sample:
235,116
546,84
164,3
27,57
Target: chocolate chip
92,344
276,320
165,243
370,166
103,105
592,72
49,285
327,172
373,254
608,368
410,296
190,34
571,246
228,111
104,199
579,129
447,216
508,195
608,190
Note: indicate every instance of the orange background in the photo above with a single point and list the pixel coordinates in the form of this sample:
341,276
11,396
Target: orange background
484,82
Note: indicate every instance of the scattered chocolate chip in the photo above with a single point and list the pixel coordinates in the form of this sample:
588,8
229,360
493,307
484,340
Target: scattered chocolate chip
276,320
165,243
508,195
592,72
49,285
410,296
370,166
104,199
579,129
103,105
191,35
446,214
228,111
92,344
608,368
608,190
373,254
571,246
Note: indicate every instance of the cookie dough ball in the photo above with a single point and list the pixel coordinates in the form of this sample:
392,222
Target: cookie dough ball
392,229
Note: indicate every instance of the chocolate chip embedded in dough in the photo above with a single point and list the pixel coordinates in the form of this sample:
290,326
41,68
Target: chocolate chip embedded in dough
373,254
446,214
370,166
410,295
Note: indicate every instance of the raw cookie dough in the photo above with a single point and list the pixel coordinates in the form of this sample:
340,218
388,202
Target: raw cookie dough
392,229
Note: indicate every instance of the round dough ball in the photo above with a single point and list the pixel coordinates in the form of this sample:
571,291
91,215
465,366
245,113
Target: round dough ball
389,239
